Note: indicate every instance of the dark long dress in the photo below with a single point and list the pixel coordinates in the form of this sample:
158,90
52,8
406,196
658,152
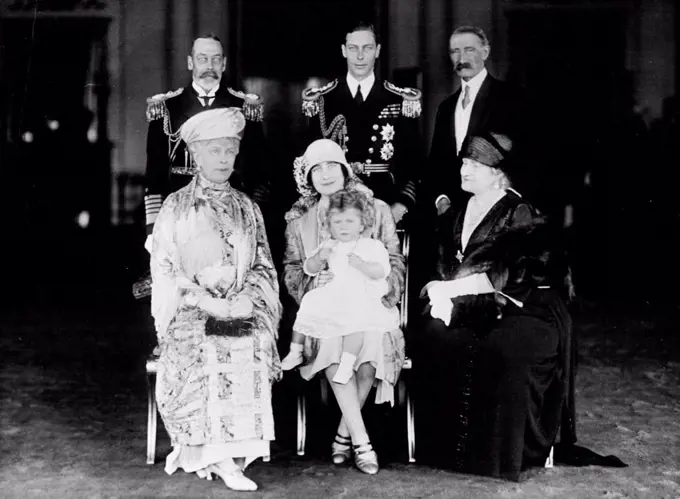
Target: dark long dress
494,388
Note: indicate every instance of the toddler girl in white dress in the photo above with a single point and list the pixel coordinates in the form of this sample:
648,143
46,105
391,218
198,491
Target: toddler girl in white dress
350,304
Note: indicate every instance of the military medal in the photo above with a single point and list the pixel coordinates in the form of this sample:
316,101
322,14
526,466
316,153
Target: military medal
459,256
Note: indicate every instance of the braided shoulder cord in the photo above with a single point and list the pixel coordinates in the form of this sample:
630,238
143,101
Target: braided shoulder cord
338,127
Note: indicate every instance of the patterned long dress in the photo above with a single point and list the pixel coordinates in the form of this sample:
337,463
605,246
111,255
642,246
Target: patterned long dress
213,391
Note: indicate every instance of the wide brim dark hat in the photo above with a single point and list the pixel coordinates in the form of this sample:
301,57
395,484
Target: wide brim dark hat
490,149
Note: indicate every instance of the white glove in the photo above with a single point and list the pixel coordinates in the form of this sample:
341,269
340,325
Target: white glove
441,309
148,244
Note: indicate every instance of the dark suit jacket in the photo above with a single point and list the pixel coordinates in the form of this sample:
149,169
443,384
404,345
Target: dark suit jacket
498,107
250,170
366,141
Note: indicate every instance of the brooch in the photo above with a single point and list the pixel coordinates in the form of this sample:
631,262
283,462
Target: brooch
386,151
459,256
387,132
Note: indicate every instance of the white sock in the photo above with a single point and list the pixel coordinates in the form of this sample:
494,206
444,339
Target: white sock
294,357
345,369
295,348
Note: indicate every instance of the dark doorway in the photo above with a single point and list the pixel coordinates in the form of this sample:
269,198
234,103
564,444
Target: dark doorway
55,152
585,136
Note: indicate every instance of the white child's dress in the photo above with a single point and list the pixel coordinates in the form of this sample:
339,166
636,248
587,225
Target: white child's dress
351,301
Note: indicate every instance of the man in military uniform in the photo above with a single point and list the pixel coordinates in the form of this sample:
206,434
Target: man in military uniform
373,120
168,166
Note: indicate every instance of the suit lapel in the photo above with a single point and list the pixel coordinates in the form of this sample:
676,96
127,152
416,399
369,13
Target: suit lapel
452,122
480,107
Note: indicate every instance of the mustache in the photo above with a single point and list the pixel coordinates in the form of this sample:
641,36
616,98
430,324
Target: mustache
463,65
208,73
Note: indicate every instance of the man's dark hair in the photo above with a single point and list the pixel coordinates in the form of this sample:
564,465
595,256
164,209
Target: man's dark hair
361,25
208,36
463,30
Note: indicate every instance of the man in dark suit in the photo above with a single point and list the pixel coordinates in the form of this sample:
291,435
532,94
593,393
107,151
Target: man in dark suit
373,120
483,103
168,166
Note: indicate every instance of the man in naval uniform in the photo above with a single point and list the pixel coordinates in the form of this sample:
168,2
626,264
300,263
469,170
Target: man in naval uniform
168,166
373,120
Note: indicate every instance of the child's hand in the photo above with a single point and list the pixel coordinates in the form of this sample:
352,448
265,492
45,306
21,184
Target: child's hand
356,261
326,249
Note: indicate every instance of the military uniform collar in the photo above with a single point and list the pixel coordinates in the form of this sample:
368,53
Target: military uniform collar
202,93
366,84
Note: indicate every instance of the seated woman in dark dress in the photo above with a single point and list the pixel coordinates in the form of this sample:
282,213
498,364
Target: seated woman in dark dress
493,353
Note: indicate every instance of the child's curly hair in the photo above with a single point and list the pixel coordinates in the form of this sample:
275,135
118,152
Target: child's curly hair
346,199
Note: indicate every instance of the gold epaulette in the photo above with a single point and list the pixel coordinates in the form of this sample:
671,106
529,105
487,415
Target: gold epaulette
253,109
310,98
410,106
155,105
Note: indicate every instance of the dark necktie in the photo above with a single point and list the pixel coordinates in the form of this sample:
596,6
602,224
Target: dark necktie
205,99
358,97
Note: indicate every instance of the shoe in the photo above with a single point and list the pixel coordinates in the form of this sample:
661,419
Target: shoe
341,449
366,459
234,480
292,360
238,481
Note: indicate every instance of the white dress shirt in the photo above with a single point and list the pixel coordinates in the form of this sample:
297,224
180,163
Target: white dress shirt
365,85
461,116
203,93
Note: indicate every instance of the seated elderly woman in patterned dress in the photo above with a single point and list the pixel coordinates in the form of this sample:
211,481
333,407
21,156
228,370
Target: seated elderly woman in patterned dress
321,172
216,308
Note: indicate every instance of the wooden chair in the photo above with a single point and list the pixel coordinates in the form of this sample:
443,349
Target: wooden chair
403,396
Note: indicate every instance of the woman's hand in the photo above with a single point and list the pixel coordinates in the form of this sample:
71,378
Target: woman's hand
217,307
323,278
426,289
441,309
241,306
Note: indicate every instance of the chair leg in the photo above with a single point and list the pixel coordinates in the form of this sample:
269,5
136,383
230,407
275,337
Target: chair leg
410,428
324,387
301,424
151,420
549,463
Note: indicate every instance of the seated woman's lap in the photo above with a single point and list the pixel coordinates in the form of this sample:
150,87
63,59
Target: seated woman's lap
501,376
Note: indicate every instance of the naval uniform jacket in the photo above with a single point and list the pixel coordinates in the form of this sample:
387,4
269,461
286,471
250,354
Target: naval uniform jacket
168,166
381,135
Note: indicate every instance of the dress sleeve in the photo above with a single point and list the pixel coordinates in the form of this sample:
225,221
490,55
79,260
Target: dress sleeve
165,292
296,280
376,252
386,232
261,284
